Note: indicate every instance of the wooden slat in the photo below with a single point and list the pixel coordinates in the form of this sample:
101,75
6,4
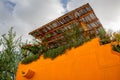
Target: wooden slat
55,40
54,36
92,21
86,14
85,31
69,13
59,27
94,27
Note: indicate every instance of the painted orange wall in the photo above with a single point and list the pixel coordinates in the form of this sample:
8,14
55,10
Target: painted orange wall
90,61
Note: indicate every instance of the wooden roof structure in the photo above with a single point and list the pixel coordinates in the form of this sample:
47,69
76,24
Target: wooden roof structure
84,16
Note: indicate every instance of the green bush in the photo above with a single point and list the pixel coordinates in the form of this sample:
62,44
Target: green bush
72,38
117,39
30,58
116,48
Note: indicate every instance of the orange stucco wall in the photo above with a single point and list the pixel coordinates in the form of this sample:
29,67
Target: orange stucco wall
90,61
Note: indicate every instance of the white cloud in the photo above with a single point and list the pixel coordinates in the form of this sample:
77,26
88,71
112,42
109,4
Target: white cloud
38,12
28,15
106,10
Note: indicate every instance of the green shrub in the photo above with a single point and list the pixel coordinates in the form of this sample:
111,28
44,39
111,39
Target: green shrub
117,39
72,37
30,58
116,48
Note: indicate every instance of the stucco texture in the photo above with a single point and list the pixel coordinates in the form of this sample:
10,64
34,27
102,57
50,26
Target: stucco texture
91,61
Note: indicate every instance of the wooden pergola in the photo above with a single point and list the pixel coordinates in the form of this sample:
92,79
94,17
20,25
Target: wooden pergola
84,16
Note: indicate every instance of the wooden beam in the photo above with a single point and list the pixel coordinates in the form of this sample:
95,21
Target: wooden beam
92,21
69,13
55,40
86,14
54,36
59,27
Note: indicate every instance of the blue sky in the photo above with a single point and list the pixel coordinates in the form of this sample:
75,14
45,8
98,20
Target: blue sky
9,5
27,15
64,2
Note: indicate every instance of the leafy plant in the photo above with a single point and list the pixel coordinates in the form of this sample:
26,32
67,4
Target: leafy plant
35,49
104,37
72,38
53,53
116,47
30,58
10,55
